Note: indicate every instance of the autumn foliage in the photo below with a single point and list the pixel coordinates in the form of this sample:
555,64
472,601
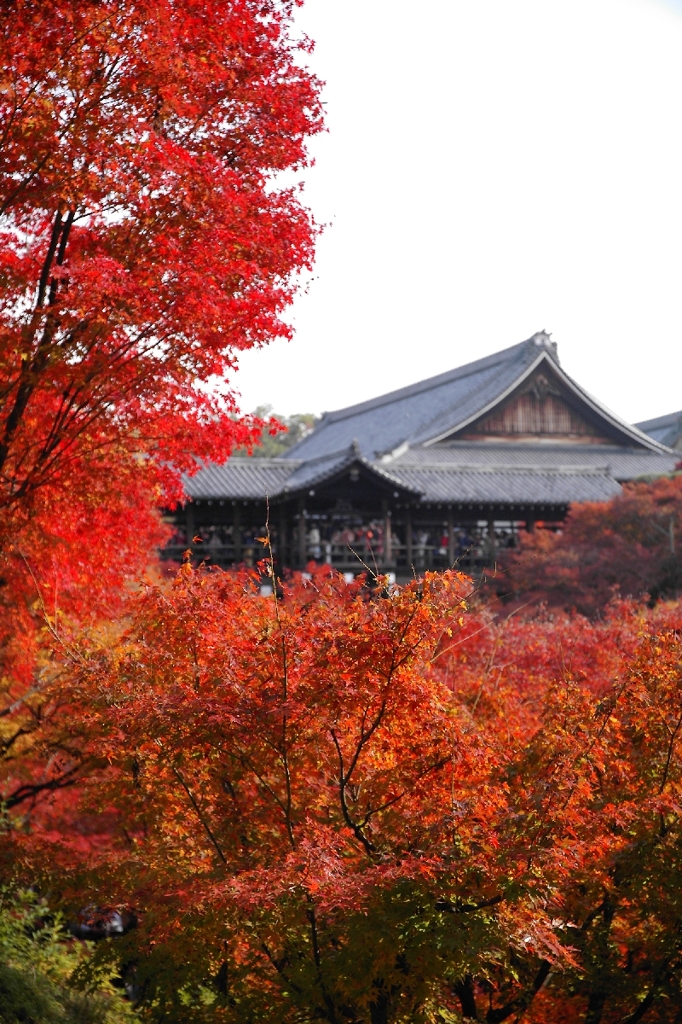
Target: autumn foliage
338,802
353,804
631,545
145,240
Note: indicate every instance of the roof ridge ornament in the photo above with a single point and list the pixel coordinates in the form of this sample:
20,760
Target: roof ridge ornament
355,447
543,339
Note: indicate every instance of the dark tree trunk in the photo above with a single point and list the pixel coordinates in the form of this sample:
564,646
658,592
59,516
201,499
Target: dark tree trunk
464,990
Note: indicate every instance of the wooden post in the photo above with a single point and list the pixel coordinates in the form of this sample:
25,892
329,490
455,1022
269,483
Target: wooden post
237,533
301,535
492,547
386,516
408,540
189,522
282,539
452,554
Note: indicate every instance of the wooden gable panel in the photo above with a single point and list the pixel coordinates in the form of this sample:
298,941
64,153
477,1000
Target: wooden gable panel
538,411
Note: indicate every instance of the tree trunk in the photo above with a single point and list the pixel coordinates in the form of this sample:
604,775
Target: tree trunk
464,990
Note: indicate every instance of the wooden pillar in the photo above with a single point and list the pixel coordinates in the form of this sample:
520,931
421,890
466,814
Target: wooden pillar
237,532
408,539
452,553
492,546
283,539
301,535
386,516
190,525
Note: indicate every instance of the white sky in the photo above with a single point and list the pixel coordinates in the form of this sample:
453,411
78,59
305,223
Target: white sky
492,168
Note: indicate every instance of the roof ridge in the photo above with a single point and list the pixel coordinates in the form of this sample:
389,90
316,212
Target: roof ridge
422,432
254,460
345,450
504,355
491,467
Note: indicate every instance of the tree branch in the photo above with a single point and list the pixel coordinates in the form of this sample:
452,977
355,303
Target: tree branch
343,782
206,826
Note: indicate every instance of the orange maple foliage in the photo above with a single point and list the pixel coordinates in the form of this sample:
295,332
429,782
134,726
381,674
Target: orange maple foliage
370,805
146,240
631,544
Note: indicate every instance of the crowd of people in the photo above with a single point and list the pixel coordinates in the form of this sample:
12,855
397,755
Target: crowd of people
430,545
337,543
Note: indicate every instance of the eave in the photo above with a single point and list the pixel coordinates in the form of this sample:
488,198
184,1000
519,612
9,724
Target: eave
626,430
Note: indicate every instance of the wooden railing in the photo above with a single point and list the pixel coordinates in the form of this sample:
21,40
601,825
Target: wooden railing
345,558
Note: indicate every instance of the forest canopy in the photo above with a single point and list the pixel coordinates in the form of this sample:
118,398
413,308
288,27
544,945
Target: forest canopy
631,545
242,797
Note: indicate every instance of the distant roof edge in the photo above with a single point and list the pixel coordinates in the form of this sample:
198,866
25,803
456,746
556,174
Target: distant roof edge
661,421
665,429
540,338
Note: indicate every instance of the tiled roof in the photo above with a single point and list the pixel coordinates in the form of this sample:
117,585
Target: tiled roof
382,424
432,409
507,486
404,438
240,478
314,471
620,463
503,474
666,429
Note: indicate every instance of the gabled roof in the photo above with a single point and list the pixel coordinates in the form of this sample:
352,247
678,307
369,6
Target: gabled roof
382,424
417,441
317,471
256,479
434,409
665,429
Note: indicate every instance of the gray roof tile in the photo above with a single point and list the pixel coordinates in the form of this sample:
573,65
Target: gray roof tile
510,486
239,478
666,429
383,423
621,463
433,408
315,471
409,423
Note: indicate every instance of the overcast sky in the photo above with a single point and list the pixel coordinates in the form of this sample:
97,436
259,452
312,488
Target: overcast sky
492,168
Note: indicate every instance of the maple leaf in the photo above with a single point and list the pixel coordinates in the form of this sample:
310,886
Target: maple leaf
145,241
333,790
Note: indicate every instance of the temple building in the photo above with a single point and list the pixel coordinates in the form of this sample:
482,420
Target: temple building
666,429
447,470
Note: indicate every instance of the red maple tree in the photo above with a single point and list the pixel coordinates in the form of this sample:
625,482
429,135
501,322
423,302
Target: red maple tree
382,807
631,545
145,242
